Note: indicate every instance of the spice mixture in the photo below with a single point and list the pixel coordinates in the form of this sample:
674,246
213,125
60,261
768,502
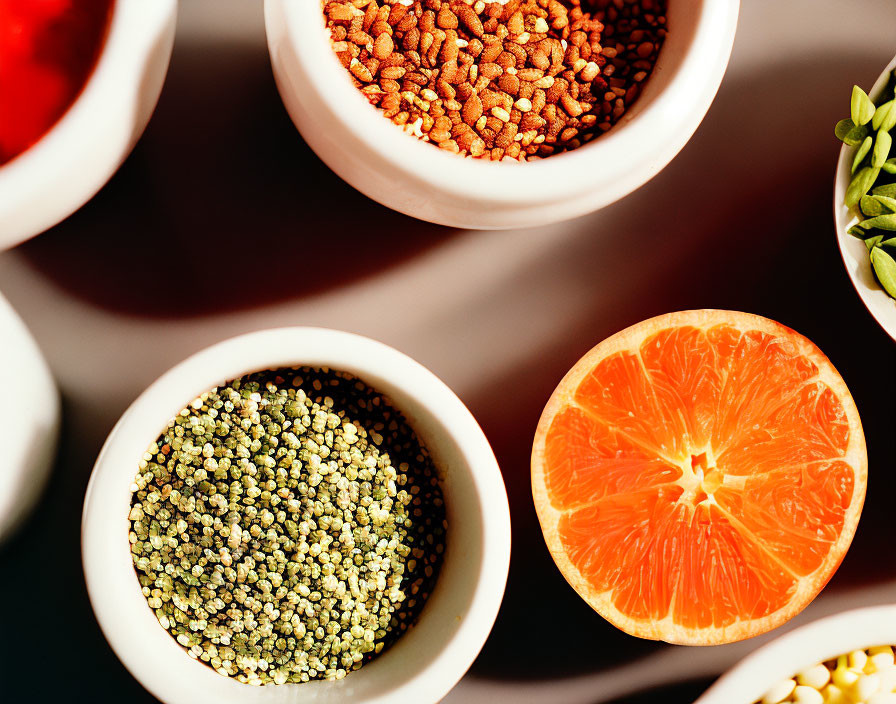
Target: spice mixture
502,78
287,526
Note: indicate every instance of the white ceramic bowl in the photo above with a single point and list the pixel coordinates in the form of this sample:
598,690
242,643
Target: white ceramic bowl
29,418
427,661
415,178
56,176
853,250
803,647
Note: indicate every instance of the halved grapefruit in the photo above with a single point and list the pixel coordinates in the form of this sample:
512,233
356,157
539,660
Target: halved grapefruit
699,476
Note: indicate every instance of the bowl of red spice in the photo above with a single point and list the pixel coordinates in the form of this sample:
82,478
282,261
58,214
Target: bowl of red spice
78,82
498,114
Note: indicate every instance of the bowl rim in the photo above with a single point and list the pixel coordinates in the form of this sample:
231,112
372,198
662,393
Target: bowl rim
782,658
66,167
265,349
29,461
640,138
876,300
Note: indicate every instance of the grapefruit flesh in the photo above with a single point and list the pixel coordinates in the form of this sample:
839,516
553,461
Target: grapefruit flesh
699,476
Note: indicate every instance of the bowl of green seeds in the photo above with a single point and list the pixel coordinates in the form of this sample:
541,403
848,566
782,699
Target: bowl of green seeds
296,515
865,196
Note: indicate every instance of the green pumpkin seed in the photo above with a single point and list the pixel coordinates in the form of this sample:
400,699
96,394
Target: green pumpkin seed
881,222
881,114
888,190
887,202
849,133
858,135
861,233
860,185
873,242
882,145
862,152
871,206
889,120
861,107
843,128
885,268
889,166
889,243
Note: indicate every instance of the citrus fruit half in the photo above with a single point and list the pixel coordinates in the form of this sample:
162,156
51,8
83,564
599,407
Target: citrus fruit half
699,476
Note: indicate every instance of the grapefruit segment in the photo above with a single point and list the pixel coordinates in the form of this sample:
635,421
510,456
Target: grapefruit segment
763,371
613,541
619,393
602,462
796,513
726,577
809,426
699,476
724,339
686,377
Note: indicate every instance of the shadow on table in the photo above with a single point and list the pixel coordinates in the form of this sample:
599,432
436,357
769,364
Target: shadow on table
222,206
44,584
681,692
741,220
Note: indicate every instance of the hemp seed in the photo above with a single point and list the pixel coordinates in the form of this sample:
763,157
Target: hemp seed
287,526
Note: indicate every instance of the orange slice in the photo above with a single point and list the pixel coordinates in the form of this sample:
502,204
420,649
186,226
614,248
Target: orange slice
699,476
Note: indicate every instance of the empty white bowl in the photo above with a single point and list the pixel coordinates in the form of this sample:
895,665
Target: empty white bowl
426,662
29,418
853,250
417,179
49,181
784,657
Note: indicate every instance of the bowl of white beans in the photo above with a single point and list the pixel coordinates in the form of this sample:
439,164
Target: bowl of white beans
849,658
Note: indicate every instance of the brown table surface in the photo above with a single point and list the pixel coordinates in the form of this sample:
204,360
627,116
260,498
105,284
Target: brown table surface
741,219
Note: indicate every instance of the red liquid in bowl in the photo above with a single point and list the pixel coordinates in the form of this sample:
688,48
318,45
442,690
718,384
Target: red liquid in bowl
48,49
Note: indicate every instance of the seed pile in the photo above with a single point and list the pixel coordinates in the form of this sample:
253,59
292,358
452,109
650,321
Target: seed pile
860,677
500,79
873,186
287,526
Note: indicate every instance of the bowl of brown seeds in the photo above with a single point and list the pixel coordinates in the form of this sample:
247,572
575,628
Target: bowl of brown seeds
498,113
296,515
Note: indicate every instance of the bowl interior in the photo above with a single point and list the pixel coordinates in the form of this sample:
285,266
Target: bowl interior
853,250
686,75
426,661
